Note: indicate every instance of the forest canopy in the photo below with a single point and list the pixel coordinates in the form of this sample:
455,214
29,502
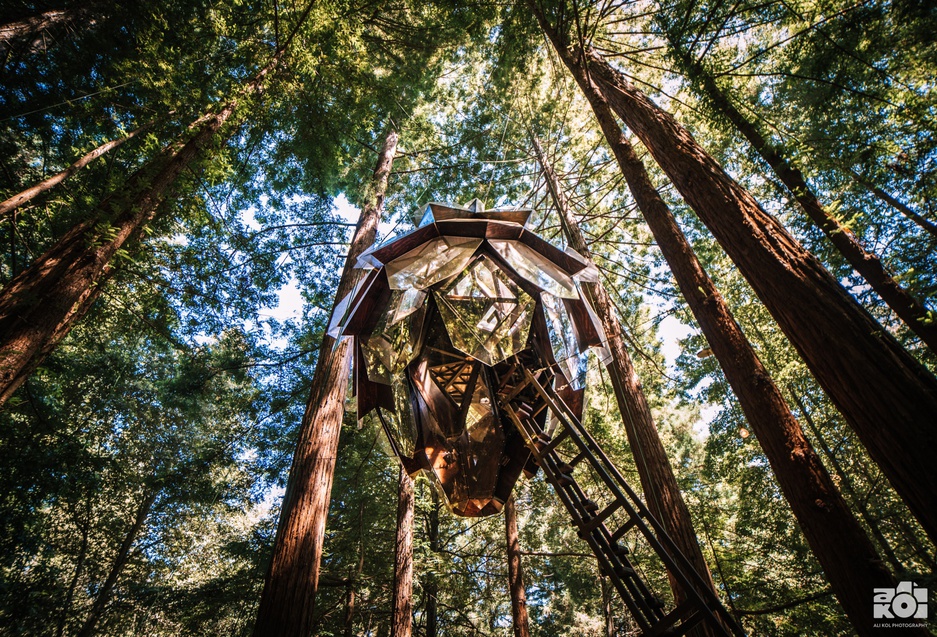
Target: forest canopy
187,184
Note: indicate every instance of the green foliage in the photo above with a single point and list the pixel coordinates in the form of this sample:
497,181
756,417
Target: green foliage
185,384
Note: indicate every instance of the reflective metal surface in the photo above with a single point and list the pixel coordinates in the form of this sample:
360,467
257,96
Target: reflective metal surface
445,321
487,315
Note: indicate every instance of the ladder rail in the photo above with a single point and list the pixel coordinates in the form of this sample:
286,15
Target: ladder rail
708,605
628,594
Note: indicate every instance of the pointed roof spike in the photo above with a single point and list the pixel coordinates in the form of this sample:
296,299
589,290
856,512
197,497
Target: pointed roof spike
475,205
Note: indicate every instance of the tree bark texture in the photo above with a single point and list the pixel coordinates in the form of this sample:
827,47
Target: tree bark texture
31,27
432,585
849,560
104,593
288,599
887,396
658,481
515,572
403,560
848,557
909,309
25,196
41,305
860,503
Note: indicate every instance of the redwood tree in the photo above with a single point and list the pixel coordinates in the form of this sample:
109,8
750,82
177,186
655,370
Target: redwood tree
25,196
909,309
848,558
657,477
515,571
402,620
40,306
288,598
887,396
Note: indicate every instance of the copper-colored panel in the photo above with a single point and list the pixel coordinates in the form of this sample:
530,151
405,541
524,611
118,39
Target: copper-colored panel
445,212
574,399
582,323
518,216
369,394
366,313
463,227
404,244
499,230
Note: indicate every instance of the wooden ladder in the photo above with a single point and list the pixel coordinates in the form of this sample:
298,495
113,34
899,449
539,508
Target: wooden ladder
604,527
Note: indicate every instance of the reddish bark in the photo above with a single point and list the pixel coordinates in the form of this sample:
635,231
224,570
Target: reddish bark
31,27
403,560
40,305
656,474
288,598
909,309
887,396
515,572
848,558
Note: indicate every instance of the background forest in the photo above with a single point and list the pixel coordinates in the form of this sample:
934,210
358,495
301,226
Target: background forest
145,450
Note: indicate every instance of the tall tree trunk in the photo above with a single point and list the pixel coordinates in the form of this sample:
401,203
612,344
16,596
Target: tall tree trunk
887,396
858,502
288,598
104,593
657,478
17,200
40,306
31,27
403,560
432,584
914,314
839,542
515,571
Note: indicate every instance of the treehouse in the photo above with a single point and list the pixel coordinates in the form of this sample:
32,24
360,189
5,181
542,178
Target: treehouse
470,340
445,321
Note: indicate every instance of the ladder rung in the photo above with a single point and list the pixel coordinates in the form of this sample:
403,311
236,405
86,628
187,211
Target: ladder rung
564,480
620,549
516,390
654,602
555,442
564,468
627,526
579,458
601,517
683,611
624,571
